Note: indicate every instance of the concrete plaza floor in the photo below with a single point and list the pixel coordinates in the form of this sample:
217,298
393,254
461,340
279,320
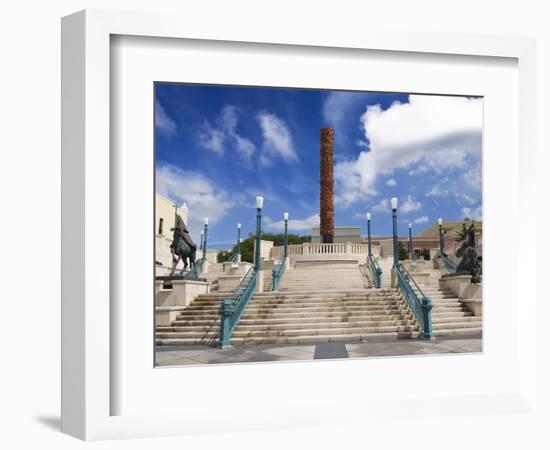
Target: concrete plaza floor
202,354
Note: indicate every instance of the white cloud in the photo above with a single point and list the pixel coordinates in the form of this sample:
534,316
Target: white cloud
476,213
430,132
277,139
391,182
224,134
423,219
437,191
164,124
472,178
409,204
337,106
382,206
203,197
294,224
211,138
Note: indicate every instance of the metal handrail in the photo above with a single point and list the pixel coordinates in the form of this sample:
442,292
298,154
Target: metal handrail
375,270
277,274
233,306
418,302
234,257
448,266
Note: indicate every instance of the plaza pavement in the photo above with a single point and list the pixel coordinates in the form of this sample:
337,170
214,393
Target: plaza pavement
203,354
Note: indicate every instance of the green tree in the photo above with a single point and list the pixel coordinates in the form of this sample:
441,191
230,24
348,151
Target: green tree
247,245
224,255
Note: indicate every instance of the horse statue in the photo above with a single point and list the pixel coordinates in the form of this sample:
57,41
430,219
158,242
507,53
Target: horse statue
183,248
470,263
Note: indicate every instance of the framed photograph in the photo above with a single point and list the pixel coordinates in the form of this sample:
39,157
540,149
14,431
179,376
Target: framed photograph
250,220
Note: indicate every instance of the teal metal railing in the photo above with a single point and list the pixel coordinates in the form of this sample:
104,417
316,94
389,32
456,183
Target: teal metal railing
375,271
277,274
420,305
447,265
234,306
234,257
413,256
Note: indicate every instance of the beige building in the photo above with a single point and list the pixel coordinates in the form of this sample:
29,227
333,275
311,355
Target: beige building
341,235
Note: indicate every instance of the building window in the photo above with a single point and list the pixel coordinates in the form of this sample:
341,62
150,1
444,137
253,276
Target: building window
161,222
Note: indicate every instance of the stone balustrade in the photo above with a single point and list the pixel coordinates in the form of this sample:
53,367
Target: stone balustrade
347,249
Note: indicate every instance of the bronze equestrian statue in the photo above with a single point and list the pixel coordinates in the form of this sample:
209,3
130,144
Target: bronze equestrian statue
470,263
182,247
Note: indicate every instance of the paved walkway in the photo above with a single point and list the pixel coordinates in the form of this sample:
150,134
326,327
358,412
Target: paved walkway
199,354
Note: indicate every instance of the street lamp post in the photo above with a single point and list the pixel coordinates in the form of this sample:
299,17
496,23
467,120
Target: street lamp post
410,241
368,234
259,204
441,239
285,216
238,239
205,238
395,240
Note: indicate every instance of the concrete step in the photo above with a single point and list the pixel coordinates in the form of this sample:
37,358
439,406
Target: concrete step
454,325
321,309
293,326
306,339
294,332
458,332
306,292
455,320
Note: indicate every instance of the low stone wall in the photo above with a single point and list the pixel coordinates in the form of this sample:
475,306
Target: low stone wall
461,286
469,293
182,293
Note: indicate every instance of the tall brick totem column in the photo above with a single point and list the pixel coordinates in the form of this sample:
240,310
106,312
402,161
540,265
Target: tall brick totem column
327,185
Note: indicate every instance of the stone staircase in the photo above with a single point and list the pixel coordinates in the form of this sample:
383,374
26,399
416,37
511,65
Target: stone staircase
321,302
324,275
316,302
297,317
386,265
450,317
197,324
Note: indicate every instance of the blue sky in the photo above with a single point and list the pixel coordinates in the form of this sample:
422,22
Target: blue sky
218,147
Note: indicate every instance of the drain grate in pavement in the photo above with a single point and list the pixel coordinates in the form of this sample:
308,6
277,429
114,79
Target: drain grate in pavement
327,350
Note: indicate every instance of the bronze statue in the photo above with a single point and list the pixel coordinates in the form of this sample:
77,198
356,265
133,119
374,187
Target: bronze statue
183,248
470,262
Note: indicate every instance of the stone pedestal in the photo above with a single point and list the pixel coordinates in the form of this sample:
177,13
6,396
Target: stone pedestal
461,286
288,265
469,293
394,279
169,302
183,292
260,281
165,315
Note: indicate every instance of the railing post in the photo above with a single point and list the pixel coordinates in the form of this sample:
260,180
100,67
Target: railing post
305,246
285,217
395,238
205,238
427,315
348,248
378,277
368,233
441,238
226,311
275,279
238,242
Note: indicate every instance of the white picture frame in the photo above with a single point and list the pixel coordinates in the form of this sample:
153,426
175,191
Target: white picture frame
87,319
